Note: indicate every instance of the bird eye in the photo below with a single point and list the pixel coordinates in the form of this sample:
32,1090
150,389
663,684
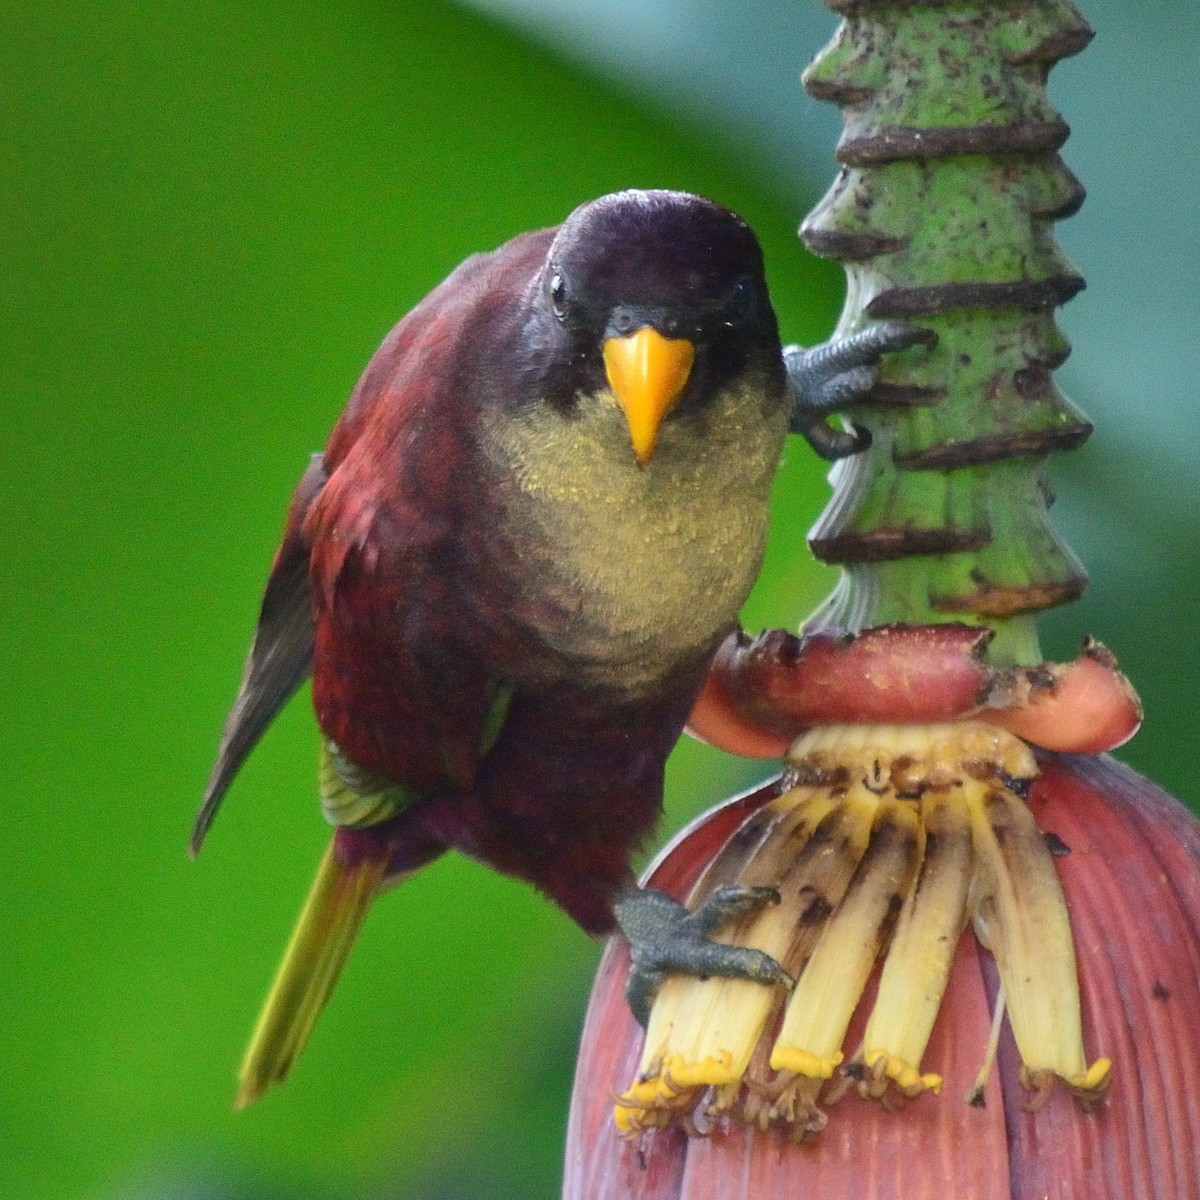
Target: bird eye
558,295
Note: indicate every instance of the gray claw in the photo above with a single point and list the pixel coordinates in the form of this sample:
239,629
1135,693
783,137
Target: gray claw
838,374
728,902
664,939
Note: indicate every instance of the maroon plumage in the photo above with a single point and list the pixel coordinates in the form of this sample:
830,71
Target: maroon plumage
476,637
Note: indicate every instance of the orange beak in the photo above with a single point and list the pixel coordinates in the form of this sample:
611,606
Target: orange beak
647,373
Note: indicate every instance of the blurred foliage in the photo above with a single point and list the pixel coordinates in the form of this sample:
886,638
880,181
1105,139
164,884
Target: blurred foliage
211,215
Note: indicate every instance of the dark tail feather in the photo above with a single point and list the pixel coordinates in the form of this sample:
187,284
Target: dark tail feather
280,657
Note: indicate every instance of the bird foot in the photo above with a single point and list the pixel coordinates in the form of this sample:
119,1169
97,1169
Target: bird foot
664,938
838,374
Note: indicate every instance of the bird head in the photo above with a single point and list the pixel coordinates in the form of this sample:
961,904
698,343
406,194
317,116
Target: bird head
658,300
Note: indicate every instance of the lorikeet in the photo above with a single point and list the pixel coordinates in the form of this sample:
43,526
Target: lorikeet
532,526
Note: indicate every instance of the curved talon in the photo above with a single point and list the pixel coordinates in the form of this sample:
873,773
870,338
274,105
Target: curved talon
838,374
664,939
832,444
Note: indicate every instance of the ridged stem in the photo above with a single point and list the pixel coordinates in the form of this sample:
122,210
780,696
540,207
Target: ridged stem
942,214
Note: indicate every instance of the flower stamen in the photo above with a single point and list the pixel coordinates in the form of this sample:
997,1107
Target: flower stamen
975,1097
1020,915
885,841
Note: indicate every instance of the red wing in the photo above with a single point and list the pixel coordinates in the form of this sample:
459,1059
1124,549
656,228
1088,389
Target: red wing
371,510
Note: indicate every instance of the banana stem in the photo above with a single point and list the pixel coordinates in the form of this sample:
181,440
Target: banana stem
943,215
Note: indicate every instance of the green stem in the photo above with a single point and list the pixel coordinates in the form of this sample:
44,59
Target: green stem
943,215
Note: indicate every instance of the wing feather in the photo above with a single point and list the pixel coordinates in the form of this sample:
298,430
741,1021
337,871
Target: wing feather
280,657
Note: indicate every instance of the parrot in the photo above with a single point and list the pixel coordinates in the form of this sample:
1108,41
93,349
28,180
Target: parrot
506,574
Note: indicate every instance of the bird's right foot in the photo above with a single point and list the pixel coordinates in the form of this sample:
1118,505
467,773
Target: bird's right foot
665,938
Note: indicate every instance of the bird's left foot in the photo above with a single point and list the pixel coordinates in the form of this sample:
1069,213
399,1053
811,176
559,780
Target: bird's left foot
664,939
828,378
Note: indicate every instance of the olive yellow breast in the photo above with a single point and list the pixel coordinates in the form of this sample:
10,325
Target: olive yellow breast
637,568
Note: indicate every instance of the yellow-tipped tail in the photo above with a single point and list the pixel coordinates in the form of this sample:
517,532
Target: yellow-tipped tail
328,924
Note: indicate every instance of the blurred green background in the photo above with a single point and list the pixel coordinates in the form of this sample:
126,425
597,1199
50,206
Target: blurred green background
211,215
